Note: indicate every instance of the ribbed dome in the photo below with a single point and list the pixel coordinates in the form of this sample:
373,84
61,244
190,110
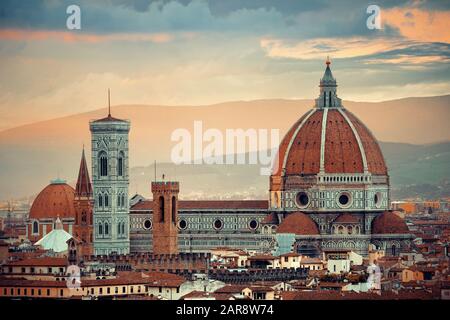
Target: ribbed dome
56,199
348,146
298,223
389,223
328,139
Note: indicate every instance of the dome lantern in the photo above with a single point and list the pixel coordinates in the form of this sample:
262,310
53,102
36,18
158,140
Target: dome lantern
328,97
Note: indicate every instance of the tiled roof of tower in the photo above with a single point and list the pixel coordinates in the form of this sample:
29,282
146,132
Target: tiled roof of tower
109,118
299,224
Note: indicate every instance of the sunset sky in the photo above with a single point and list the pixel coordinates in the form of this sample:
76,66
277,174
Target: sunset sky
201,52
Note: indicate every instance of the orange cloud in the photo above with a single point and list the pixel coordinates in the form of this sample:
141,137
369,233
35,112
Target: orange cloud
420,25
77,36
337,47
409,59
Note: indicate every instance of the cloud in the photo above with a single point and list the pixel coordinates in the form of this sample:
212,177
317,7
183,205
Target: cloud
69,37
419,24
336,47
410,59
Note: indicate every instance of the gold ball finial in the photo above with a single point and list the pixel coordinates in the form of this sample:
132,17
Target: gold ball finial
328,62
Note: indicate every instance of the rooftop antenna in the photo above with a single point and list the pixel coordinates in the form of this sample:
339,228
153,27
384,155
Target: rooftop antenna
109,104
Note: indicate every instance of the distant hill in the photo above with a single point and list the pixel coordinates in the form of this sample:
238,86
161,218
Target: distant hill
33,154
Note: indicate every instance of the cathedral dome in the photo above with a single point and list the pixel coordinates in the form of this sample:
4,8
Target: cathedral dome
332,141
56,199
389,223
329,161
299,224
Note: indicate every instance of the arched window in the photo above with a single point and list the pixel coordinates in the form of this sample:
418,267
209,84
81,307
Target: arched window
118,228
35,227
100,200
106,200
123,201
340,230
349,229
394,250
119,202
123,228
83,217
174,210
106,229
100,229
103,164
120,164
161,209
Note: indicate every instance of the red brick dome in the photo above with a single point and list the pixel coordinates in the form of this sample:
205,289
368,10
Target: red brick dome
328,139
347,145
389,223
56,199
298,223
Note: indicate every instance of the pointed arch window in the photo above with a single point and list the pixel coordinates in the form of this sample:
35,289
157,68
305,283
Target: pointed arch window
100,200
119,229
35,227
103,164
106,200
394,250
100,229
123,228
120,164
106,229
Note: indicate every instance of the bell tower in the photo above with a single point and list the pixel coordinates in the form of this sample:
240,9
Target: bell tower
165,217
110,181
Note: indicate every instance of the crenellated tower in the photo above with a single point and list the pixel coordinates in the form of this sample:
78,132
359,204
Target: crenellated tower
165,217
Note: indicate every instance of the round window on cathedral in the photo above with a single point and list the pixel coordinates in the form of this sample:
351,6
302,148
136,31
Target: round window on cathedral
147,224
182,224
218,224
253,224
344,199
377,199
302,199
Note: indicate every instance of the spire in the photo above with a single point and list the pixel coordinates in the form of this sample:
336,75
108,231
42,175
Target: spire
328,97
84,187
109,104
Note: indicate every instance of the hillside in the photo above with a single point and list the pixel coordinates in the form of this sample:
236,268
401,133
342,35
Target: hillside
33,154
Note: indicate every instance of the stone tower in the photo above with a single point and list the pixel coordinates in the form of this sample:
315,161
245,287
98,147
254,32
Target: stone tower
83,204
165,217
110,185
